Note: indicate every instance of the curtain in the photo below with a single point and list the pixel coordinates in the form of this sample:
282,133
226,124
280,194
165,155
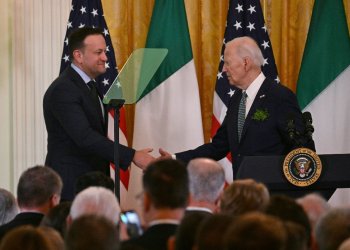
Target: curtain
287,22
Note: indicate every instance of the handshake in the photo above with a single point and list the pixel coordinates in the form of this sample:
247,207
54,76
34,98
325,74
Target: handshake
142,158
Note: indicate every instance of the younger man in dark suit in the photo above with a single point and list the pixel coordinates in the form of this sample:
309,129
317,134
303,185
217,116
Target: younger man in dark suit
76,119
39,189
165,197
257,115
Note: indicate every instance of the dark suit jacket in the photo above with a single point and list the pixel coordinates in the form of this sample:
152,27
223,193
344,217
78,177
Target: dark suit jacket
268,137
26,218
154,238
77,141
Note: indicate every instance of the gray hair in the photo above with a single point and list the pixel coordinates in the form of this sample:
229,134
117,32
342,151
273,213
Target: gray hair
96,201
206,178
247,47
8,206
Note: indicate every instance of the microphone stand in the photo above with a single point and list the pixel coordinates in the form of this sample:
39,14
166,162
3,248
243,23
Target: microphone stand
116,104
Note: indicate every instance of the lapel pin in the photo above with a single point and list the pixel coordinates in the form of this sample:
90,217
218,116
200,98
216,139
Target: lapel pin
262,96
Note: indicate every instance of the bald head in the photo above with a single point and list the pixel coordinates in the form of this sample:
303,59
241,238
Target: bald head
207,179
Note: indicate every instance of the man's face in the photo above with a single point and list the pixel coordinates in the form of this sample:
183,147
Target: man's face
92,57
234,66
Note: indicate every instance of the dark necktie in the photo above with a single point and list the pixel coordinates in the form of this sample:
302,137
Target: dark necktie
241,114
94,95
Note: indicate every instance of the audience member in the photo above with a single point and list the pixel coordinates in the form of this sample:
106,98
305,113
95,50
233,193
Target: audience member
210,233
26,238
206,183
165,198
287,209
244,196
56,218
297,238
332,229
93,179
92,232
39,189
55,238
95,201
8,206
255,230
186,232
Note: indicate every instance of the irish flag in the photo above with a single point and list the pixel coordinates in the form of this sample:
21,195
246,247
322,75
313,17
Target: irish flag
324,80
168,115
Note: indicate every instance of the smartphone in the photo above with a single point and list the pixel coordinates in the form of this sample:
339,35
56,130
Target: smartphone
132,221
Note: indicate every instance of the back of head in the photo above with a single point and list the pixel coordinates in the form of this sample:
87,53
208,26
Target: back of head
333,228
26,238
56,218
93,179
210,234
255,231
287,209
8,206
315,207
244,196
166,183
186,232
206,179
96,201
92,232
37,186
77,37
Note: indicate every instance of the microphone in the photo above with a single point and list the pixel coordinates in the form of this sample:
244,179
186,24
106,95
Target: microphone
309,128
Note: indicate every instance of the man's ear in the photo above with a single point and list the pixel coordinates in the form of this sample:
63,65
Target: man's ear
77,56
54,200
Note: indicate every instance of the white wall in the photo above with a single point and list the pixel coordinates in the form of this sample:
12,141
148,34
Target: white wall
31,41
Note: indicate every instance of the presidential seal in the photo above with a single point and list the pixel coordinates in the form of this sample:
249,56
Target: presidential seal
302,167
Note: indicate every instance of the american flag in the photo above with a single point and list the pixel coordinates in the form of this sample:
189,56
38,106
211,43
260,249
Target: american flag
244,18
90,14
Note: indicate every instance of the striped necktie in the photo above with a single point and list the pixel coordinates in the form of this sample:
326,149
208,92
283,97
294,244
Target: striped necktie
241,114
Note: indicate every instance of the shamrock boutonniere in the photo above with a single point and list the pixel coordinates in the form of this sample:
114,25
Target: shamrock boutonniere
261,115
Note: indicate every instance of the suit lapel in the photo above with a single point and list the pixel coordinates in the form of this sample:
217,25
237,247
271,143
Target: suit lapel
79,82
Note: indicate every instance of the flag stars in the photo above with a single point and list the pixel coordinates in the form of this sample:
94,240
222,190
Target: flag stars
238,25
239,8
265,61
81,25
106,65
66,41
105,82
83,9
224,41
105,32
251,9
72,7
264,28
251,26
231,92
94,12
69,25
277,79
265,44
219,75
107,48
222,58
66,58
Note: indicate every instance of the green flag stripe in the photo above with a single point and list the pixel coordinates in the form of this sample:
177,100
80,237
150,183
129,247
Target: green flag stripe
169,29
327,50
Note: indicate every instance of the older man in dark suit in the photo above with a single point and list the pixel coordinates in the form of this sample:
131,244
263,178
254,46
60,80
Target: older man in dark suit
257,115
76,118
